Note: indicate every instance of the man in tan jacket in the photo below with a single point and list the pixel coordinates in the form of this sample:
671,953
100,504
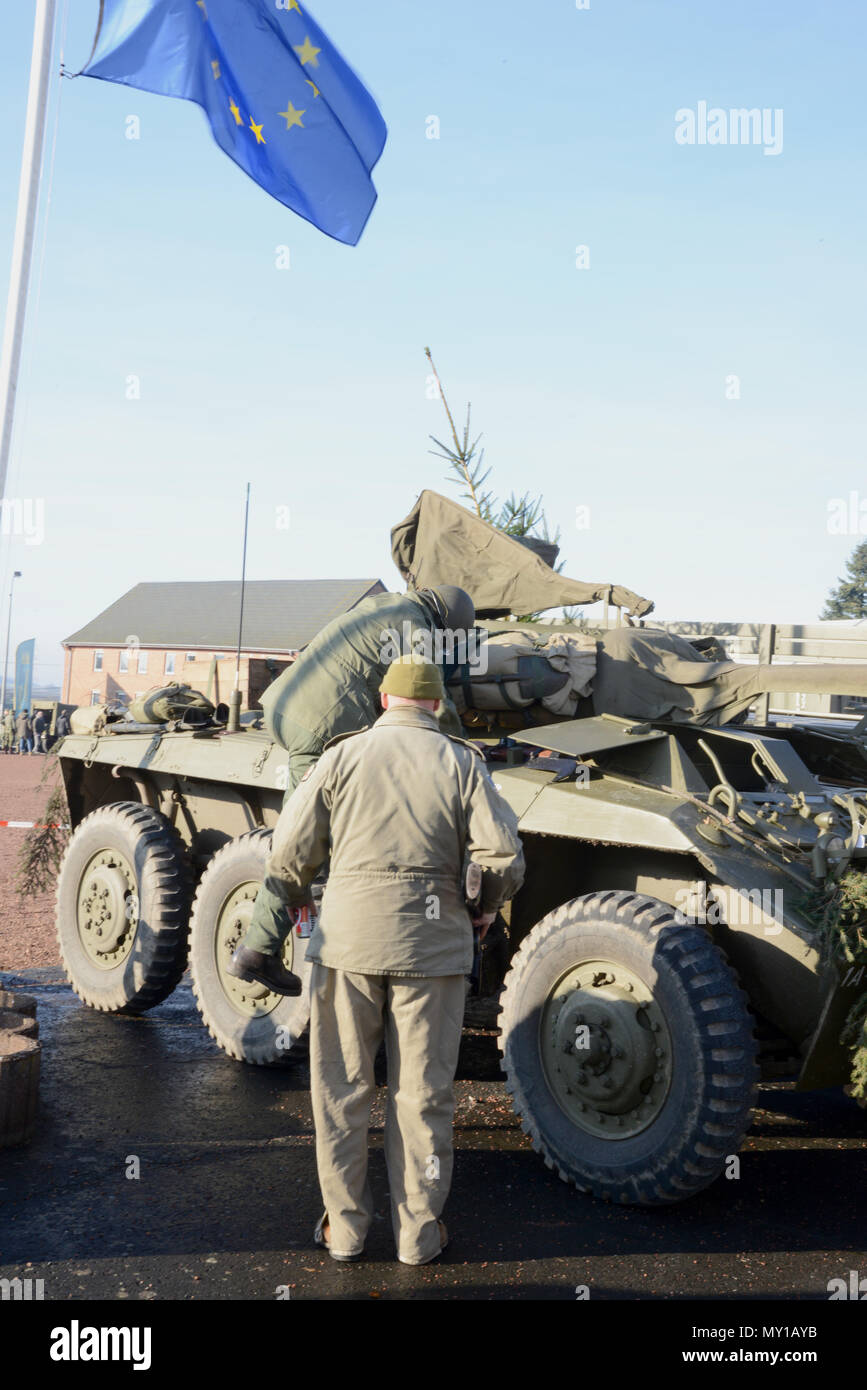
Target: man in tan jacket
401,807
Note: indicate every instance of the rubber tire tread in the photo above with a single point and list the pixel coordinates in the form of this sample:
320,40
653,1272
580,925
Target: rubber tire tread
293,1013
719,1013
165,874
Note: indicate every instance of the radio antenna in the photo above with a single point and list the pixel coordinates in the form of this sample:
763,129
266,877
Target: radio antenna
234,723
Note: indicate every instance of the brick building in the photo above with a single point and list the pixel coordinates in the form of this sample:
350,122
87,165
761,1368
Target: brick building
188,632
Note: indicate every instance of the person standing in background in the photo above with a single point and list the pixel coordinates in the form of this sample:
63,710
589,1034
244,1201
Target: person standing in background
24,732
39,727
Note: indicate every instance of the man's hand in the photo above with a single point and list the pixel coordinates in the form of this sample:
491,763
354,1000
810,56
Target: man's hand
483,921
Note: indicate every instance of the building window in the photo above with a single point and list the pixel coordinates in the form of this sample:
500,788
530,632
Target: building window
123,662
170,663
191,656
142,663
96,697
219,656
97,661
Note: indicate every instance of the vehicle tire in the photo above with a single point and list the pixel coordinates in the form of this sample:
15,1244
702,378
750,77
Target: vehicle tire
123,901
247,1021
628,1049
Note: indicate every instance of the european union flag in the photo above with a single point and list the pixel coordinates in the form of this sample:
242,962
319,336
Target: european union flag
281,100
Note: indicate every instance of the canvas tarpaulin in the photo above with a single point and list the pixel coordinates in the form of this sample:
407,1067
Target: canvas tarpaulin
441,542
646,673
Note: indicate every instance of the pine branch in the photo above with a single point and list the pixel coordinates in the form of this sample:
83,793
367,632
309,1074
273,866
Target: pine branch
461,457
40,855
522,516
429,357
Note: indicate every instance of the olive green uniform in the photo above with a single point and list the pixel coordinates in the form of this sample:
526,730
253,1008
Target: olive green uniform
400,807
331,689
8,732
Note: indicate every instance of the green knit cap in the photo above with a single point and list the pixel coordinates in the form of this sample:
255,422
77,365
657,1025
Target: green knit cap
414,678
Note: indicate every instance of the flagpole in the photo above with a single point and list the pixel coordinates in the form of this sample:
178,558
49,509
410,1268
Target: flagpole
234,722
16,575
25,224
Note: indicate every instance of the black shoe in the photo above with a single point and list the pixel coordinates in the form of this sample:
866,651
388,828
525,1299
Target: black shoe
265,970
321,1238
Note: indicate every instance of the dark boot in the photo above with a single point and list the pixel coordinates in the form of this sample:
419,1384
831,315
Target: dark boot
265,970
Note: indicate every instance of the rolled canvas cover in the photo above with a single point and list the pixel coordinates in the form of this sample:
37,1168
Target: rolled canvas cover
167,702
520,671
646,673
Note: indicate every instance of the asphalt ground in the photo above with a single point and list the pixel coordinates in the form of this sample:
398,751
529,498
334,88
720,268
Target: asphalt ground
226,1198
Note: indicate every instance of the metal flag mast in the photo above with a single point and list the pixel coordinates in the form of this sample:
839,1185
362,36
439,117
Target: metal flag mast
16,575
234,722
25,224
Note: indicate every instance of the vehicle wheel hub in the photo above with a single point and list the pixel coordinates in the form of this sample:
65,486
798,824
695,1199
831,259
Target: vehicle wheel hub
606,1050
248,997
108,908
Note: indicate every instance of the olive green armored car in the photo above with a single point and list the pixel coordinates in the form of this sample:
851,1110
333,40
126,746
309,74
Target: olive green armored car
665,950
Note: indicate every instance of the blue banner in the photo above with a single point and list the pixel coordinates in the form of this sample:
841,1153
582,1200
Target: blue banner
24,674
282,102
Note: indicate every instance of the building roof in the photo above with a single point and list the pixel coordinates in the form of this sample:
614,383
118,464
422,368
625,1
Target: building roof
280,615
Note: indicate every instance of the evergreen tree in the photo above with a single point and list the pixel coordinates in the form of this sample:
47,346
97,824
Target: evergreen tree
849,599
516,516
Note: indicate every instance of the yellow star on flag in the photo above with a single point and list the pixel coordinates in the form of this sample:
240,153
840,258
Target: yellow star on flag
293,117
307,53
236,113
216,69
203,7
257,131
293,5
313,85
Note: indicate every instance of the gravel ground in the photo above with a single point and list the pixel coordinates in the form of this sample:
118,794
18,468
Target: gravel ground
26,926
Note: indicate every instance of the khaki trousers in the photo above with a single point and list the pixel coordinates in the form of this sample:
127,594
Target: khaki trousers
421,1020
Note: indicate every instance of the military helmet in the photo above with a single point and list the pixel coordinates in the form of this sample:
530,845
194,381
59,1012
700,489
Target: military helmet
453,606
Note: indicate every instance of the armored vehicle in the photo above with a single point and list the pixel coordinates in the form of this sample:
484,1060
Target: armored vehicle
665,949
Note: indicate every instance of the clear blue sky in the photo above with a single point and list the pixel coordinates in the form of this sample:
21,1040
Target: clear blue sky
602,387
